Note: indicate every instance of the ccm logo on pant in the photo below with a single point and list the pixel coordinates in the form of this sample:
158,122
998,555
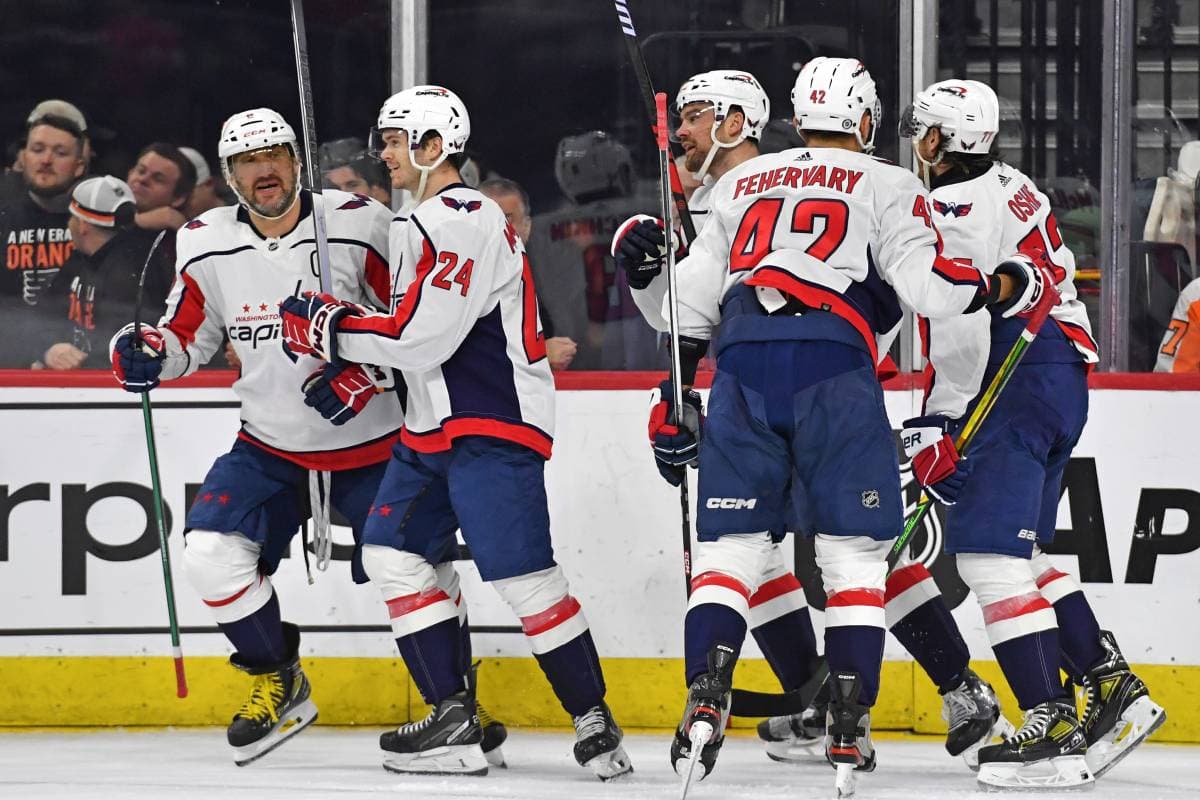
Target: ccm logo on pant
731,502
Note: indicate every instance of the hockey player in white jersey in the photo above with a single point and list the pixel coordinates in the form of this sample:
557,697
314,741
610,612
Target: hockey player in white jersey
721,115
1037,617
233,265
464,330
803,262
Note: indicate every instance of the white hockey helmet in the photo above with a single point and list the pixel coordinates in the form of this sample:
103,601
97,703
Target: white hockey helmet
254,130
832,94
417,111
966,112
726,88
593,163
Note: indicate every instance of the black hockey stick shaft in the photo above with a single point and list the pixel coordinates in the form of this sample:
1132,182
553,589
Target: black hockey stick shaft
745,703
308,127
664,159
679,200
160,523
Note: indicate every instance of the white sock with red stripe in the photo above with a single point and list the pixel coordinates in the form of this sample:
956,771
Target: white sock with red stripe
1020,624
853,569
559,636
424,619
920,620
782,626
1078,629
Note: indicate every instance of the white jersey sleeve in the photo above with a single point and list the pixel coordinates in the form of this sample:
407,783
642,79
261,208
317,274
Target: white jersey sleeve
192,323
652,301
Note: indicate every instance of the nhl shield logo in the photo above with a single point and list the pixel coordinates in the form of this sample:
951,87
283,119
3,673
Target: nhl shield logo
870,498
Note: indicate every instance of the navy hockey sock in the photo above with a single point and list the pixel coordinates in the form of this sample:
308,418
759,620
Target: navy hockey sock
790,647
703,625
1030,664
1078,634
930,634
464,633
857,648
573,670
434,659
258,638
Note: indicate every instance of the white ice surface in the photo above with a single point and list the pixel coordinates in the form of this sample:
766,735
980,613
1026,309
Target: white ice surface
345,763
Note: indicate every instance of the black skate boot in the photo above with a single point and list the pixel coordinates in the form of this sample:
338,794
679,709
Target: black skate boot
973,715
1047,752
1118,713
797,738
848,745
446,742
598,744
279,706
704,717
494,732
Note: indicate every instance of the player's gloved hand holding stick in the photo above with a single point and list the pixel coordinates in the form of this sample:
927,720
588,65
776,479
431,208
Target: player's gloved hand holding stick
137,359
676,441
1034,295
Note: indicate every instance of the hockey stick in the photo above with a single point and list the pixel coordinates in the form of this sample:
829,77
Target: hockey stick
319,481
664,159
767,704
181,689
679,200
984,407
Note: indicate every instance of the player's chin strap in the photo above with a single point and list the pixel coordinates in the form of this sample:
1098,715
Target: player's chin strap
717,144
319,483
926,167
425,171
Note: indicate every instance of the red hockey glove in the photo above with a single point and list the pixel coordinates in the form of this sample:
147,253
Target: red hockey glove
310,324
340,392
675,446
935,461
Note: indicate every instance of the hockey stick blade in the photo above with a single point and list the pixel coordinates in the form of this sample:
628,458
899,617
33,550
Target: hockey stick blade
765,704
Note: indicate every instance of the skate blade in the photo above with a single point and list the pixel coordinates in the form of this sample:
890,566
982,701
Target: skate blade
846,781
300,718
1002,729
495,758
797,751
1064,772
698,737
611,765
463,759
1142,718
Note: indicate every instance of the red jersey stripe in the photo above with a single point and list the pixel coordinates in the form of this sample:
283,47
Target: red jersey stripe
776,587
408,603
233,597
189,314
816,297
1013,607
905,578
362,455
722,580
439,440
856,597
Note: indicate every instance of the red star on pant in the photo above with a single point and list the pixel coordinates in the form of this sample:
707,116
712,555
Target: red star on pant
246,308
385,511
208,497
223,499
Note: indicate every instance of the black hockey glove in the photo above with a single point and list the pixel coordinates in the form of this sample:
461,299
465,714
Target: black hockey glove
639,247
675,445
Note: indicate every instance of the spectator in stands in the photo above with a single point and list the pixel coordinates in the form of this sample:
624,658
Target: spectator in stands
162,180
207,193
345,165
33,225
514,202
1180,349
96,291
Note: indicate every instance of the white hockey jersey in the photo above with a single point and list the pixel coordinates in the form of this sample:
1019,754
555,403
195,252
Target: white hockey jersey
837,230
229,280
984,221
464,329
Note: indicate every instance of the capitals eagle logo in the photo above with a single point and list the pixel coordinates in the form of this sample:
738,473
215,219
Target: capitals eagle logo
952,209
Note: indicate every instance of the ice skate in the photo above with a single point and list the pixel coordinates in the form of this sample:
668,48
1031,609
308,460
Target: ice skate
279,706
848,745
974,719
494,735
446,742
701,733
598,744
1118,713
798,738
1047,752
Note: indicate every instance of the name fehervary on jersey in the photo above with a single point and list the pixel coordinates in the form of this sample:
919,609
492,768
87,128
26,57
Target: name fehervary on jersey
844,180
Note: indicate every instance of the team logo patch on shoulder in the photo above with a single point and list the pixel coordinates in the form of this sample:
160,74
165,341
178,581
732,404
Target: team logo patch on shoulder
359,201
194,224
952,209
462,205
